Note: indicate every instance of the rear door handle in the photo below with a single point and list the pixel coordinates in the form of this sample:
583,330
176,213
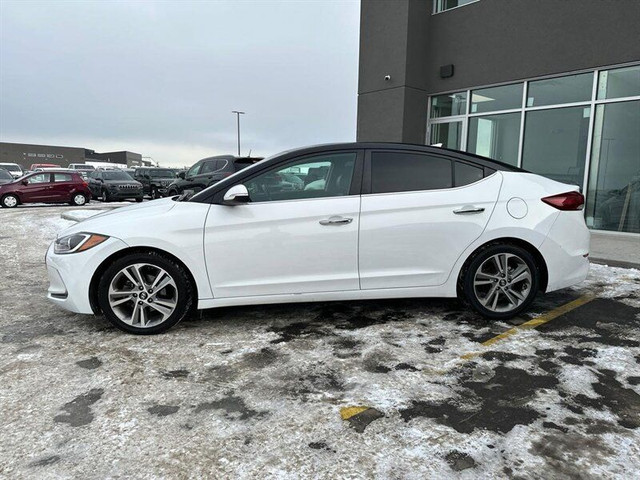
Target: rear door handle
468,209
336,220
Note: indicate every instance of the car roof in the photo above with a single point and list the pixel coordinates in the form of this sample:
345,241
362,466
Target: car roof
287,155
484,161
230,157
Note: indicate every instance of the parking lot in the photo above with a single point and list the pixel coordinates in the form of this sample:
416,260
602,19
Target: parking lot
393,389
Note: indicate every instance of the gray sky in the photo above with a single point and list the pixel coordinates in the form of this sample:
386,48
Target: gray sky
161,77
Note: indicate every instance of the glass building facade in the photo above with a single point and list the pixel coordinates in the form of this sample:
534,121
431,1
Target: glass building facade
581,128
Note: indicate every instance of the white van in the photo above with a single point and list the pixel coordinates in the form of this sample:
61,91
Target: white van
81,166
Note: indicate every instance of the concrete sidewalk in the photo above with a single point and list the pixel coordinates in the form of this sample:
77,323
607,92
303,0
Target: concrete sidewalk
616,250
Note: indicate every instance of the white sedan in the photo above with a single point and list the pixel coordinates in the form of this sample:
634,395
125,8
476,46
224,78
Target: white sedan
389,221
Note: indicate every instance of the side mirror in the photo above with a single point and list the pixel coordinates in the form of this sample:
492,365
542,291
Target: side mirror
236,195
25,182
181,175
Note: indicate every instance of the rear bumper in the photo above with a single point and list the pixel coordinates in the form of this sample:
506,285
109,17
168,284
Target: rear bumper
566,251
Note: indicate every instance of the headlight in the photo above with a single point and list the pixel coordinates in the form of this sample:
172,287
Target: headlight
78,242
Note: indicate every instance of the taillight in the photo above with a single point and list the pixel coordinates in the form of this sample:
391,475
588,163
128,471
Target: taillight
566,201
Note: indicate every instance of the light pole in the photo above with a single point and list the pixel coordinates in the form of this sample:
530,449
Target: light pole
238,121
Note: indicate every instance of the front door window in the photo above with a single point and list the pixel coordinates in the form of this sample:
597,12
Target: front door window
327,175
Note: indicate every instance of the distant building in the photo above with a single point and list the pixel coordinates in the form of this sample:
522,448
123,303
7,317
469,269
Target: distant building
26,155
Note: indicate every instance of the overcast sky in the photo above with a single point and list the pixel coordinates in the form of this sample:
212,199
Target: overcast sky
161,77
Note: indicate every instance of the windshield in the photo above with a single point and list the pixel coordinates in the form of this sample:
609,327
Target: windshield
11,168
5,175
84,167
161,174
116,176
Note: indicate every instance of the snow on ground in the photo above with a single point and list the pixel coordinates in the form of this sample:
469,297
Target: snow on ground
256,392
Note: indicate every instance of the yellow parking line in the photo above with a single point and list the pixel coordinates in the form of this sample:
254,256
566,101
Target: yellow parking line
348,412
533,323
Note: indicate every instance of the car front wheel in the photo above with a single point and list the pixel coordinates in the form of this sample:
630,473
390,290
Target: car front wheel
145,293
501,281
105,196
10,201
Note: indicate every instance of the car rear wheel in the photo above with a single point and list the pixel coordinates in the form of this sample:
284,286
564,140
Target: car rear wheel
501,281
10,201
78,199
145,293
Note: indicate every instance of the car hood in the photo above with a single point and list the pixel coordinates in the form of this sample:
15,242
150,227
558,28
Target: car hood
110,222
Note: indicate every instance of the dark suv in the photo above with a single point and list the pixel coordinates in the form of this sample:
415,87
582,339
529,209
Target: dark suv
110,185
154,180
207,172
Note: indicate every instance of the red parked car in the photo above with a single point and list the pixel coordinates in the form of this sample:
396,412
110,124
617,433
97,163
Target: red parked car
53,186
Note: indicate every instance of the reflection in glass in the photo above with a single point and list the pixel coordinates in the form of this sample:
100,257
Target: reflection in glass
618,83
496,98
553,91
495,136
613,198
448,105
555,143
446,134
442,5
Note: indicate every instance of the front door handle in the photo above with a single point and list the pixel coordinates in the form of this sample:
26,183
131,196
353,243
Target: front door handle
336,220
468,209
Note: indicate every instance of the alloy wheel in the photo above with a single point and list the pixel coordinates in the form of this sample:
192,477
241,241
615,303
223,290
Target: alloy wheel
143,295
502,282
79,199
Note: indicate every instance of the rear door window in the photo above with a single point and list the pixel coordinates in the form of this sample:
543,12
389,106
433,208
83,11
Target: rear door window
62,177
409,171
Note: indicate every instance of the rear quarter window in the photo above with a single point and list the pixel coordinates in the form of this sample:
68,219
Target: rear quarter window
466,174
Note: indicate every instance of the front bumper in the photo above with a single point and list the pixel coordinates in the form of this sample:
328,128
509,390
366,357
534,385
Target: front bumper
125,193
70,274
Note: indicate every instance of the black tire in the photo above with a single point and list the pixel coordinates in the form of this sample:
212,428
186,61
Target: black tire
105,196
139,199
10,201
527,289
154,193
75,200
185,291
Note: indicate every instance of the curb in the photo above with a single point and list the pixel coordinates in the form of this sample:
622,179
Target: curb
615,263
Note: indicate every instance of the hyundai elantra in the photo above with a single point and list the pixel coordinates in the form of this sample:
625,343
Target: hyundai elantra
360,221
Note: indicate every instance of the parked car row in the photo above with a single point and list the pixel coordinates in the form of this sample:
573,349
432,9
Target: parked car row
44,182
